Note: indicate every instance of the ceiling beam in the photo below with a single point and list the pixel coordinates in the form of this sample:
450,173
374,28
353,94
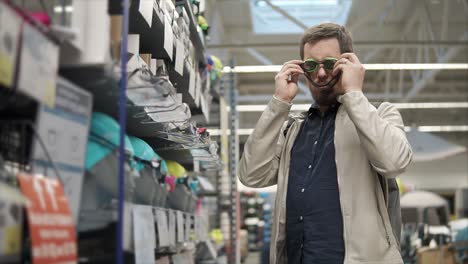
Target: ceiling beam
259,56
370,16
430,74
286,15
308,98
360,44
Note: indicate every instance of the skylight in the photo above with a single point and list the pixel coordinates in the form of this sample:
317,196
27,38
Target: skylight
267,20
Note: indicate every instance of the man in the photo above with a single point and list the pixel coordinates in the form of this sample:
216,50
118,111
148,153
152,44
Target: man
330,206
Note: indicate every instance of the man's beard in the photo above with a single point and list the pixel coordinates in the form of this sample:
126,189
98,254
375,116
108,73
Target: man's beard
325,97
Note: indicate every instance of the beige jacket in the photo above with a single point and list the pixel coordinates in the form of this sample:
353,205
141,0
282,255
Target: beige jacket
368,141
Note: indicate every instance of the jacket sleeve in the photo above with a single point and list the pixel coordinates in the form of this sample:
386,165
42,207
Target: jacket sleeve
260,161
381,132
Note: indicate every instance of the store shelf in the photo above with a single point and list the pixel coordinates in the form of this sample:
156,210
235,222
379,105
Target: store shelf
152,38
98,80
200,51
97,223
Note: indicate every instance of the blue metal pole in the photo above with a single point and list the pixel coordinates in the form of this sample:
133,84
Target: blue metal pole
122,121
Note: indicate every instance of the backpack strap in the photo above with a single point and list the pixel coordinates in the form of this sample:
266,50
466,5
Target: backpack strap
286,129
291,120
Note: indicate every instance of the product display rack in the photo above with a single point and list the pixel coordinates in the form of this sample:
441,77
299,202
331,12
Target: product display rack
177,232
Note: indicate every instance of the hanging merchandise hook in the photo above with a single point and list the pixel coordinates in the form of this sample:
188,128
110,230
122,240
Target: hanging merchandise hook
22,157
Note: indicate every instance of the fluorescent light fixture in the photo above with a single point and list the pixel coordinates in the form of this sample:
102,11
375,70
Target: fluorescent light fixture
441,128
295,3
59,9
370,67
416,66
462,128
305,107
431,105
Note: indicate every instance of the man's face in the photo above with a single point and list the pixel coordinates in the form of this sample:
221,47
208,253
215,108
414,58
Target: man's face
318,51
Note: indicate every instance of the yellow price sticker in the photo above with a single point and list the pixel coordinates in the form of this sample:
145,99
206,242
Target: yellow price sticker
6,70
12,242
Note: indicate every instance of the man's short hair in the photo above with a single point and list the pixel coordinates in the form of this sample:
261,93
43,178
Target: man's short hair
326,31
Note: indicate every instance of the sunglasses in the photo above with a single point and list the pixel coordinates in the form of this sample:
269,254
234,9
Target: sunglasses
311,65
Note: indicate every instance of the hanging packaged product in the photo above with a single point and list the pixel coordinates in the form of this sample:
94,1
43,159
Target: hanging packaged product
10,29
63,129
100,187
50,222
149,189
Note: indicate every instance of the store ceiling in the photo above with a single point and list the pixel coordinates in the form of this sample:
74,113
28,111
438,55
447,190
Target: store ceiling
391,31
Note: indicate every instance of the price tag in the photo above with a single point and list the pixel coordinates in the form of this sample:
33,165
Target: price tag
146,10
133,45
192,83
180,227
179,62
172,227
198,90
9,36
127,229
188,223
144,234
168,37
161,223
51,225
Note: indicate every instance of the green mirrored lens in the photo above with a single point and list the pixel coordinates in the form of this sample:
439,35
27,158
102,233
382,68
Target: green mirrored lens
329,63
310,65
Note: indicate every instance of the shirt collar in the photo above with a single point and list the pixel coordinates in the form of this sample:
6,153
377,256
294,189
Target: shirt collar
315,110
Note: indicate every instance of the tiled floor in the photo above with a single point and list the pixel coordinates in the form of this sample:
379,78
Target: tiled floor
253,258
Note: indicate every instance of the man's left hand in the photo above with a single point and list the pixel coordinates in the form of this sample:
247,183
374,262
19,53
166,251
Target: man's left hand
352,72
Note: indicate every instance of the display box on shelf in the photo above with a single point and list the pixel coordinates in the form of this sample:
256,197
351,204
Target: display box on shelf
38,65
91,19
443,254
10,29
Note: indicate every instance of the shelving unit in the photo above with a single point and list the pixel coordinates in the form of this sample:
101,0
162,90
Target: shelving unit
178,235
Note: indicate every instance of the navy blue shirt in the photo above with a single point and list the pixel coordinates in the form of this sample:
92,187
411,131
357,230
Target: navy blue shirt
314,224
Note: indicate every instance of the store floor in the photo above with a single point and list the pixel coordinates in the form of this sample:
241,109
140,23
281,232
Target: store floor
253,258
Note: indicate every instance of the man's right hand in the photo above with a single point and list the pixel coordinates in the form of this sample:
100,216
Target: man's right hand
286,89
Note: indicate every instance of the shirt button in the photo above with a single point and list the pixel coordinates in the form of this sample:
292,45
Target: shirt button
310,166
300,218
302,190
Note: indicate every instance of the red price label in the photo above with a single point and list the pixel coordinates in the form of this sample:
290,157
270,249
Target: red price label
50,221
